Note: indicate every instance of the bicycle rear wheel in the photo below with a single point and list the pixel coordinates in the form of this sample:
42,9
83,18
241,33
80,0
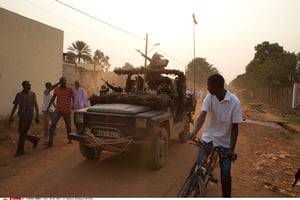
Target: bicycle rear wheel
193,187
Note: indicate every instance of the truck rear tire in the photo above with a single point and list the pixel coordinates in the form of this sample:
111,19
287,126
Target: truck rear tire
88,152
159,148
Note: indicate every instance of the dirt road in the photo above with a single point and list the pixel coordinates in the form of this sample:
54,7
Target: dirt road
268,159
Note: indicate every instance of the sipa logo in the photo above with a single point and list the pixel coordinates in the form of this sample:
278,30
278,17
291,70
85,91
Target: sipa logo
15,198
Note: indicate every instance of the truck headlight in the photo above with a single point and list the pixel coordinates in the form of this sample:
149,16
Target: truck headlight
78,118
141,123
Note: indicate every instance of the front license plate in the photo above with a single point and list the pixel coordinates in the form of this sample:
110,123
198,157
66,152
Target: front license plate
106,133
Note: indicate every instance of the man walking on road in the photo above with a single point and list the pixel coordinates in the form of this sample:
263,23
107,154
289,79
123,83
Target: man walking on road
47,98
26,100
222,112
64,105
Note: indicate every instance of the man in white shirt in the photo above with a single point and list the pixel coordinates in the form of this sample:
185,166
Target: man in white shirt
47,114
80,100
221,112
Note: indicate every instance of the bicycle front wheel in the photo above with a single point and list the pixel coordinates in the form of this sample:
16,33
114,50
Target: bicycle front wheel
193,187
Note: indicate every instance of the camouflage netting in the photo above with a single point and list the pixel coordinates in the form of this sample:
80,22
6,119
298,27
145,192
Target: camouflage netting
154,101
143,70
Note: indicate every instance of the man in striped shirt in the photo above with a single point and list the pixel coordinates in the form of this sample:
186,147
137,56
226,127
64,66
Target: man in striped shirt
64,105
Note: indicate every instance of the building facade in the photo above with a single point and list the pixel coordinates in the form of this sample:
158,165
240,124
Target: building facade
29,50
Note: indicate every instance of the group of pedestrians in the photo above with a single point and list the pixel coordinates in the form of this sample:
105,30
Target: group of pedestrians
60,104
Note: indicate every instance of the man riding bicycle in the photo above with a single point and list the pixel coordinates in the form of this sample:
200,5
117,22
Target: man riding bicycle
221,111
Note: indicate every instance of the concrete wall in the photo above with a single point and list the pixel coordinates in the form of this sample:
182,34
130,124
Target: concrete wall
90,80
29,50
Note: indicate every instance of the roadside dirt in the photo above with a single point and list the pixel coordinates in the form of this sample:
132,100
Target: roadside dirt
268,158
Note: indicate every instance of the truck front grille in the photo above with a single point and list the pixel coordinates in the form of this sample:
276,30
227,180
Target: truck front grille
123,123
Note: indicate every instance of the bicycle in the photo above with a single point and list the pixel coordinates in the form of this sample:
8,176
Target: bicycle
202,173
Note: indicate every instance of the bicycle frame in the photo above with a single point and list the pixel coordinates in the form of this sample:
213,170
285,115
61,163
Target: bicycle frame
202,173
207,166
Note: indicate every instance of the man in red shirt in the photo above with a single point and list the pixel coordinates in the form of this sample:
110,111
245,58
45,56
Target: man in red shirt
64,105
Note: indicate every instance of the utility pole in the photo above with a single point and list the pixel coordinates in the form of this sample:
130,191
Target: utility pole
146,49
194,24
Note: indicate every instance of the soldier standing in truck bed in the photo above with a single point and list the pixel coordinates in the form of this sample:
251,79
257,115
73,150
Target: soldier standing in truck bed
154,61
113,88
153,77
104,90
164,86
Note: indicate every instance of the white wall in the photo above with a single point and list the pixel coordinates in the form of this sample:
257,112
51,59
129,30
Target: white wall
29,50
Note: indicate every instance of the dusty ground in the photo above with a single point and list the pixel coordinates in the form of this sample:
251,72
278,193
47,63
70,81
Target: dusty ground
268,157
271,153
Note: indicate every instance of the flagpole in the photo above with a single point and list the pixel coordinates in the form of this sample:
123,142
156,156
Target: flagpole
195,23
194,58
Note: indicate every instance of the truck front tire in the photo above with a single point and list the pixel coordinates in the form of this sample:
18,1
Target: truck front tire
159,148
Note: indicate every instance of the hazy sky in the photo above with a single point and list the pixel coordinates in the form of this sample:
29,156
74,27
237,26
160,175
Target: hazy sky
226,34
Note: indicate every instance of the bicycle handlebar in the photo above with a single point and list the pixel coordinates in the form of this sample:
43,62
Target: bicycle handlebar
197,142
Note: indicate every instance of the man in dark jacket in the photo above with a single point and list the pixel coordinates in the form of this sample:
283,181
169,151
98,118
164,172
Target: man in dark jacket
26,100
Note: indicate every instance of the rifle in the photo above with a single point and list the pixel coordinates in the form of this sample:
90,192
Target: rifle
156,61
115,89
144,55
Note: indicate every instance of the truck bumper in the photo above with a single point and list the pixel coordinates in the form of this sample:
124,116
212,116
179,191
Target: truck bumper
75,136
135,143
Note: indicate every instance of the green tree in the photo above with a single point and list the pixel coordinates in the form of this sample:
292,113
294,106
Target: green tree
297,71
79,50
98,55
271,66
127,66
199,69
106,64
100,59
239,81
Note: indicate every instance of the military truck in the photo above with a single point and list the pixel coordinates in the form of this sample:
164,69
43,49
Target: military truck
137,116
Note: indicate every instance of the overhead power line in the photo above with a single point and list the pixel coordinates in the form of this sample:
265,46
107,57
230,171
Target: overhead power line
99,20
115,27
50,13
106,23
